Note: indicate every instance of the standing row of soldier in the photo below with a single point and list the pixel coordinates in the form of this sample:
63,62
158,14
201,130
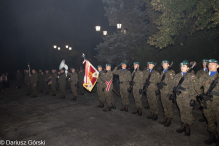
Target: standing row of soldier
183,88
39,82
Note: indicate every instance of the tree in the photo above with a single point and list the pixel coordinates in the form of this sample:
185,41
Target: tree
181,17
120,46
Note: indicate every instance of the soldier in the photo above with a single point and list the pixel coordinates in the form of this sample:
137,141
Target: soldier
100,91
19,77
53,78
167,76
40,79
151,84
62,82
33,81
27,82
57,83
200,73
212,106
125,78
46,78
137,85
146,72
74,81
107,77
80,81
185,96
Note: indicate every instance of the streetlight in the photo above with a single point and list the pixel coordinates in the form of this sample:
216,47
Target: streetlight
59,48
54,46
119,26
69,48
104,32
66,46
97,28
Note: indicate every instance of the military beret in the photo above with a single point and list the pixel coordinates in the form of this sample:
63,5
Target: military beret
212,61
123,63
165,61
185,62
108,64
147,63
151,63
136,63
99,66
204,60
72,68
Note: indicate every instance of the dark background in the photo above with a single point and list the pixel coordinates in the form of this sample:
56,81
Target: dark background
30,28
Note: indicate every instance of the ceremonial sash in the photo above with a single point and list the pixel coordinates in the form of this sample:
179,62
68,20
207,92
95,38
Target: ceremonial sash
108,84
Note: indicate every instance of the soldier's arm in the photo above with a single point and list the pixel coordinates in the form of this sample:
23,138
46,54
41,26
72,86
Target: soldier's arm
76,78
170,82
115,71
195,88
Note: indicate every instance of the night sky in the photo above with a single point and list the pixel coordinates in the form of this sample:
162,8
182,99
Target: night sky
30,28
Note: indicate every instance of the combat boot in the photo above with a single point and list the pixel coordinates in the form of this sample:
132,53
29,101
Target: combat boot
168,122
126,108
155,117
164,120
187,131
181,129
101,105
107,109
212,139
150,117
135,111
123,108
114,106
139,112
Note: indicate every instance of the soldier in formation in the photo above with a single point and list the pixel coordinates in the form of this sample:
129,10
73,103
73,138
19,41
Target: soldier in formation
40,79
107,78
80,81
100,88
124,78
73,77
27,82
33,82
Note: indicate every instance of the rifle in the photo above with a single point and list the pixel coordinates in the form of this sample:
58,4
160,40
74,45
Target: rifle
161,84
209,94
178,88
148,82
132,82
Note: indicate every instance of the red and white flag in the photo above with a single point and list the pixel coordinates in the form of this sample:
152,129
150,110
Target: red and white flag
91,76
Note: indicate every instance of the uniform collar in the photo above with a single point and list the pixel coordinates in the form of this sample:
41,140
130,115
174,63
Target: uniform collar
211,73
205,69
183,73
164,70
123,69
150,70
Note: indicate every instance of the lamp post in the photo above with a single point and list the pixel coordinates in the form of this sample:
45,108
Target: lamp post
66,46
104,32
97,28
54,46
59,48
119,26
69,48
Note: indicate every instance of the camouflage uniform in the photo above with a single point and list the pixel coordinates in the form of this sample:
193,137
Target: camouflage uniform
33,80
74,81
212,111
40,84
19,77
80,82
138,85
183,99
100,85
46,87
167,104
27,82
201,73
62,83
107,76
54,82
152,97
146,72
124,78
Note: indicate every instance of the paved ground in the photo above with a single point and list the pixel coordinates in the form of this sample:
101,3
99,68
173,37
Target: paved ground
62,122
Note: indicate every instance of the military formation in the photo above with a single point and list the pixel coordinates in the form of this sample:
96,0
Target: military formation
183,88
